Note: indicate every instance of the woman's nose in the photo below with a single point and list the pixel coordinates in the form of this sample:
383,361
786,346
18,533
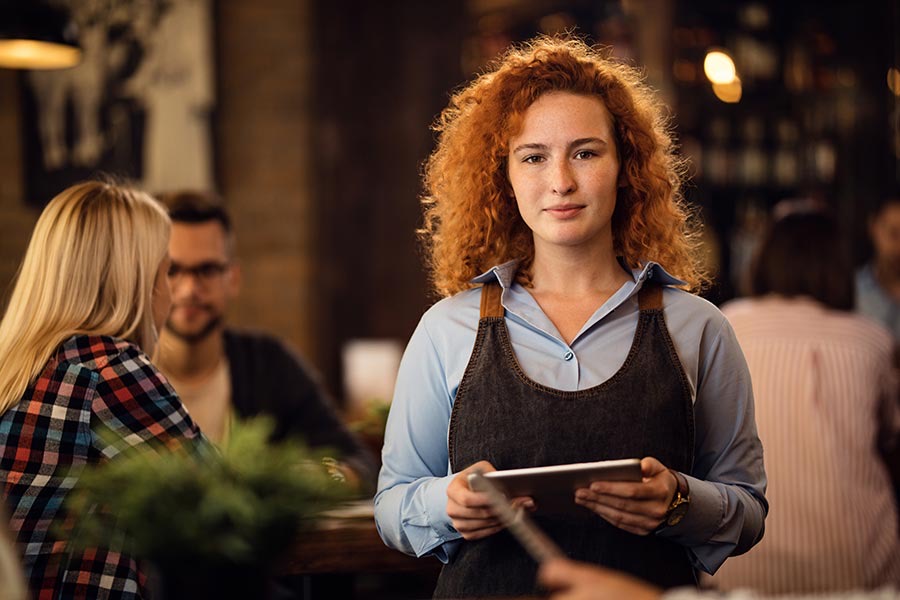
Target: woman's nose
563,179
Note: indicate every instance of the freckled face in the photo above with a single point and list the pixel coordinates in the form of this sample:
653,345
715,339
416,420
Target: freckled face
564,169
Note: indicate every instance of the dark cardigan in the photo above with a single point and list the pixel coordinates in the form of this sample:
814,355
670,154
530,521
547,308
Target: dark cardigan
268,378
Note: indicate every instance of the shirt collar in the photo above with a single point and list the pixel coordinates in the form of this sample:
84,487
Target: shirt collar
505,274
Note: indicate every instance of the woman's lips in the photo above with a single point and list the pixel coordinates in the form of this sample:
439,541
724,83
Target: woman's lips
565,211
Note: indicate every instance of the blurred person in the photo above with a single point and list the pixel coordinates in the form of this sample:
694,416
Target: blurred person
878,282
77,386
570,580
553,221
222,374
825,394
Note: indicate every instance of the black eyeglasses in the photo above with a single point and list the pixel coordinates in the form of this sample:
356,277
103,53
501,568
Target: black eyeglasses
204,272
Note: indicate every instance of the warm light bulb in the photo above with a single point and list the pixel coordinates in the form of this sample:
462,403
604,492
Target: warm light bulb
33,54
728,92
893,80
719,67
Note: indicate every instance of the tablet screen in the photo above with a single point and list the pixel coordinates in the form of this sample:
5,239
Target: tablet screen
554,487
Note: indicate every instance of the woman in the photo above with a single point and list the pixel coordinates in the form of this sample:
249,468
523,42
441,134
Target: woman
826,392
76,384
552,206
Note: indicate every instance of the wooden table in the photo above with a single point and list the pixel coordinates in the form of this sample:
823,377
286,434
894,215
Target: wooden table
345,558
350,546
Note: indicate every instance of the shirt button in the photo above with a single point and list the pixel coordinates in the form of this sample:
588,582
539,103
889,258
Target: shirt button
568,355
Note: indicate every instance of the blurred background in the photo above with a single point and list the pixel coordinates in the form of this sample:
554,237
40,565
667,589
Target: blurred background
311,118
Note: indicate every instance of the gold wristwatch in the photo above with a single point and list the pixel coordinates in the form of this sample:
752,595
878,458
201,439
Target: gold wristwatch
681,501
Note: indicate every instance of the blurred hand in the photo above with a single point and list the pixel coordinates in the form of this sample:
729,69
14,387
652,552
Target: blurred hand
469,511
569,580
635,507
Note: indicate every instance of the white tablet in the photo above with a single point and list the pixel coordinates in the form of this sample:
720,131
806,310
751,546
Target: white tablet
554,486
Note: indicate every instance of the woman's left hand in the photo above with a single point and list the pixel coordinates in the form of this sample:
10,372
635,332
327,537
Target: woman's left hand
635,507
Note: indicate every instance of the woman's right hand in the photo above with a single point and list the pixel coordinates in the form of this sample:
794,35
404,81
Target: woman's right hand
469,511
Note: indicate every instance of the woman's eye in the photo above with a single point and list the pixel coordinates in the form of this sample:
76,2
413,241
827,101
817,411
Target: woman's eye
534,158
583,154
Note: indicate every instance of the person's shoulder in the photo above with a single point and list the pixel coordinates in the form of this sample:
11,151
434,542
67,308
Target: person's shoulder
96,352
773,317
864,329
677,300
112,363
852,332
259,344
458,307
739,308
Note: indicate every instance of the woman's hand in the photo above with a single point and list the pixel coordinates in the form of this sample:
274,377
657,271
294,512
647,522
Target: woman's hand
569,580
470,511
635,507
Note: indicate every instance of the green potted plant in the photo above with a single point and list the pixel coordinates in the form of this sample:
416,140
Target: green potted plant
213,524
369,426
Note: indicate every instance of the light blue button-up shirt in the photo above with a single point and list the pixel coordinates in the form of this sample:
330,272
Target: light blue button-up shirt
728,505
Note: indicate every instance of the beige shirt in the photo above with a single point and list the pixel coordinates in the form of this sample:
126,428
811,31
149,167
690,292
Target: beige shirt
824,386
209,403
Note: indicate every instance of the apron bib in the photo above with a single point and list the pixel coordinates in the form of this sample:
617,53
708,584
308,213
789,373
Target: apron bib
502,416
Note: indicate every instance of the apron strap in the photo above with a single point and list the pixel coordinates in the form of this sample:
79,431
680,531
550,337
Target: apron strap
490,300
650,297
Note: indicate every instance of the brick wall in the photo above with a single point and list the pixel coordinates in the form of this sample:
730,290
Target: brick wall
16,219
262,131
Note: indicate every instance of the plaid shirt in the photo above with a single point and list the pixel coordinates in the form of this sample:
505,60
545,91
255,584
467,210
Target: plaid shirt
92,384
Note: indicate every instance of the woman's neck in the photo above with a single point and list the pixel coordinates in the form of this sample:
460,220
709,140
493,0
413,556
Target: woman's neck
575,272
570,286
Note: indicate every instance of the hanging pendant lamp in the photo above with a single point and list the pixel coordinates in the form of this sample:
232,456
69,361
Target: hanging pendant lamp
36,34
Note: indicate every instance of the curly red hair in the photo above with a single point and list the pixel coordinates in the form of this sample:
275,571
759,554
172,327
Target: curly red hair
471,220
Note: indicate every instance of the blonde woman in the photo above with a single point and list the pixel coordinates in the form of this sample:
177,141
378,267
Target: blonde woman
76,384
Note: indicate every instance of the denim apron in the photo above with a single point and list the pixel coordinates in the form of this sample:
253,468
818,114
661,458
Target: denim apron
502,416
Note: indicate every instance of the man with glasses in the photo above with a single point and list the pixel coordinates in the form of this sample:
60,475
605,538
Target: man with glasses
222,374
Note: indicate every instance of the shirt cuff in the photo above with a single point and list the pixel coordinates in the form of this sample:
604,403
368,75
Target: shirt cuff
702,519
699,525
434,502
